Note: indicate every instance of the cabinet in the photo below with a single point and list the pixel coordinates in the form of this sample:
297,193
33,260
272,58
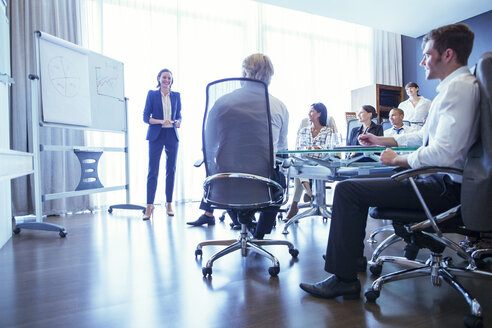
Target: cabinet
12,163
382,97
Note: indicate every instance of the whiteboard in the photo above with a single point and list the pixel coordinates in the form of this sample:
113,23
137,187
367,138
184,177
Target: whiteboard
65,84
79,87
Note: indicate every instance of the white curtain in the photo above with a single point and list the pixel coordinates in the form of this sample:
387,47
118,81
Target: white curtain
387,58
59,170
316,59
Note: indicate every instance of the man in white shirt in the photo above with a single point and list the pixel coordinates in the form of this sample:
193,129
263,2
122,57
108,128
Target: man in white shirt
445,139
397,127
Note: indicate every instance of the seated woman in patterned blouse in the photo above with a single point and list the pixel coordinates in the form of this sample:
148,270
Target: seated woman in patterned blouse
315,136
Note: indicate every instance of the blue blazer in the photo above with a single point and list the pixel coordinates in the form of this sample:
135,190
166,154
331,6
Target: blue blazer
153,108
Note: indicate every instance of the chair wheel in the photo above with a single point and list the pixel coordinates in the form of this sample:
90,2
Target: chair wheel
294,252
273,271
110,210
63,233
376,269
472,321
206,271
448,260
481,265
371,295
16,231
198,252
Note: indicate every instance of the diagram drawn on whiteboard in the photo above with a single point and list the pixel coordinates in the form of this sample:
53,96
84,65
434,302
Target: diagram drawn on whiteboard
109,81
64,75
64,79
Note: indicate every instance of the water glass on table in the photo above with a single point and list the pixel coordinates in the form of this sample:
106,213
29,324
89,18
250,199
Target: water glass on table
336,140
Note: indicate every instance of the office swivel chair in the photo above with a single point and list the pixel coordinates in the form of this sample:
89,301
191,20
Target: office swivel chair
387,124
239,162
426,230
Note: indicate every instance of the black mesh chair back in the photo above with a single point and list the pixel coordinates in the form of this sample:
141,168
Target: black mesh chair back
238,155
237,145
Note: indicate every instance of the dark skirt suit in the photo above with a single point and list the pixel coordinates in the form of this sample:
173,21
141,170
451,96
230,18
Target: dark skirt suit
160,138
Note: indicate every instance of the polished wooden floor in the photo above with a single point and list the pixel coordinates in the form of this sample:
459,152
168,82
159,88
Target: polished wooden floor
115,270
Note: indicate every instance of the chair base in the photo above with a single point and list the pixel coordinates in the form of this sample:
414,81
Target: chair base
390,240
437,269
316,210
318,207
372,240
244,243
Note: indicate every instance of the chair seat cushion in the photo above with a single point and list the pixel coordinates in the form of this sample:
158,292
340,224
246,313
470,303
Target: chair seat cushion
403,216
400,215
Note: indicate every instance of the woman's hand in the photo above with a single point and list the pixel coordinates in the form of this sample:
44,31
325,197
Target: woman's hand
177,123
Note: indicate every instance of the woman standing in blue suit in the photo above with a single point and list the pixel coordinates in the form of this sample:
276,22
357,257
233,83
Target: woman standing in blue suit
163,114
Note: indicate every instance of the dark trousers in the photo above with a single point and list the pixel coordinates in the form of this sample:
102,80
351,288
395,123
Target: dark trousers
167,139
206,206
267,216
351,203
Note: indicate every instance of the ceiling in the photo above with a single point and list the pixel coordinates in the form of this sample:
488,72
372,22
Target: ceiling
411,18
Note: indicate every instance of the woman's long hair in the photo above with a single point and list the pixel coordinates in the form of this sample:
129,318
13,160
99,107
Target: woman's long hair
320,108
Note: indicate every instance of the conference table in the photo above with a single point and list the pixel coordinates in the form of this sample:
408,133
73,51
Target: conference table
332,165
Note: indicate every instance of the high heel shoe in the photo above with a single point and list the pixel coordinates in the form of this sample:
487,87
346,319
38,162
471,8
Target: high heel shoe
169,210
293,209
151,214
308,198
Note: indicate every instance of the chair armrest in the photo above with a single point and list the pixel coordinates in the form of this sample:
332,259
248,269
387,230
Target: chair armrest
286,163
198,163
425,170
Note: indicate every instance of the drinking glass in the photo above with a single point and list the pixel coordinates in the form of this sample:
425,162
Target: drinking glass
336,140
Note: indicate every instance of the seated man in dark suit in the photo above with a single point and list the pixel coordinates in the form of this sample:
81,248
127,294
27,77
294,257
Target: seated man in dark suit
445,139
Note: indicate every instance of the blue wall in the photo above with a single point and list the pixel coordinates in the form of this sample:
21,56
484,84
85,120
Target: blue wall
481,25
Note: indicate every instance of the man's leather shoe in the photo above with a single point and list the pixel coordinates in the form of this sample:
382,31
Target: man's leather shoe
203,219
333,287
361,263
